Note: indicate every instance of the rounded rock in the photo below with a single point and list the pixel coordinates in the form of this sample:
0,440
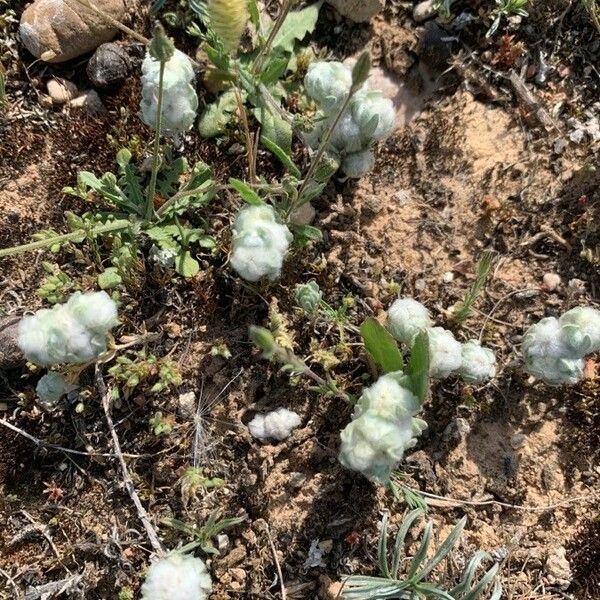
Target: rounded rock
551,281
61,90
59,30
108,66
358,11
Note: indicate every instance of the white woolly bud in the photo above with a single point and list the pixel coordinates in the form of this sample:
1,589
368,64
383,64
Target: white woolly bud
581,329
388,399
382,429
407,318
177,577
177,69
358,164
260,243
445,352
179,101
96,311
328,84
548,356
51,388
347,137
478,363
164,257
374,115
74,332
373,445
277,424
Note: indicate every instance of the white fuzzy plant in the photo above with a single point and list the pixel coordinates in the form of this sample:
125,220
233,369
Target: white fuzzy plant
275,425
177,576
383,427
179,102
554,349
368,119
72,333
260,243
475,364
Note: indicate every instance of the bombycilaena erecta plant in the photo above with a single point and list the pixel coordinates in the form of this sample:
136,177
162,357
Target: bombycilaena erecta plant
72,333
260,243
415,579
383,427
554,349
228,19
353,117
275,425
475,364
177,576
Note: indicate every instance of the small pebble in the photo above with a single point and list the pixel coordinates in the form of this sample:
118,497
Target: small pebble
551,281
448,277
90,100
61,90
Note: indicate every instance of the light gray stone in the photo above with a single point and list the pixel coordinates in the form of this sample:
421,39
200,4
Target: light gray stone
358,11
59,30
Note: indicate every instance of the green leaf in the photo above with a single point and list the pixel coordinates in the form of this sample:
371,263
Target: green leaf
381,346
254,14
297,24
304,234
218,115
282,155
274,127
109,279
246,192
418,367
130,180
186,265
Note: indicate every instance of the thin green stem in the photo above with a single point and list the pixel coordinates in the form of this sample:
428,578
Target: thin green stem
259,63
322,148
156,149
184,193
66,237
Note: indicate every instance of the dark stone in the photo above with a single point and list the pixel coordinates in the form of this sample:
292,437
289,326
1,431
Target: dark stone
10,354
108,66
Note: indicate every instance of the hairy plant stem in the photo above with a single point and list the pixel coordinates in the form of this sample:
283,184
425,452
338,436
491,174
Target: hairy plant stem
156,149
259,63
247,135
288,357
66,237
321,151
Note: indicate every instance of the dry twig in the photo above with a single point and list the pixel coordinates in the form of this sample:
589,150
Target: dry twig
143,515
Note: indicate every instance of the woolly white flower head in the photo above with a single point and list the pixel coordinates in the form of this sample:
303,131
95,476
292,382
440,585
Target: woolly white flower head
74,332
478,363
177,577
328,84
406,318
95,311
347,137
358,164
388,398
177,69
445,352
51,388
179,102
581,329
374,115
260,243
374,445
277,424
548,356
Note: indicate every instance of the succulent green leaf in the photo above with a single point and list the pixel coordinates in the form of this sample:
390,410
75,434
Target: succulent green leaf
381,346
